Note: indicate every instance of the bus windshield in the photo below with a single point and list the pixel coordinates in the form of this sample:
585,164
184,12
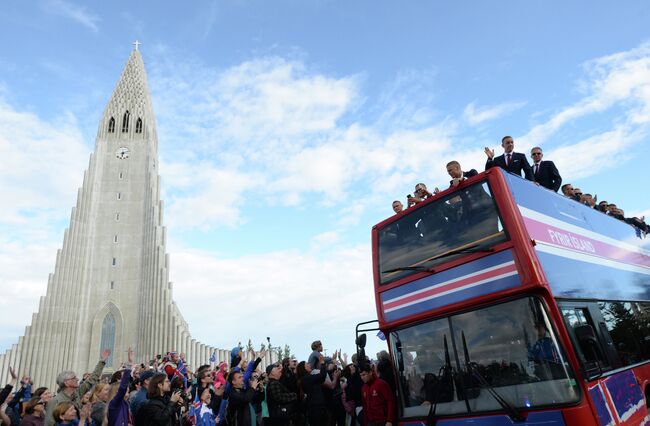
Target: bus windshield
454,362
464,221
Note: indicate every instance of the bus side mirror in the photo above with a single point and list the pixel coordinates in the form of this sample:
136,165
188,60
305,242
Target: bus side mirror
586,335
361,341
589,345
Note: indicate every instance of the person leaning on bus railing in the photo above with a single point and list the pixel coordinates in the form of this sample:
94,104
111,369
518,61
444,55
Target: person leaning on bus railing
567,191
589,200
421,193
457,174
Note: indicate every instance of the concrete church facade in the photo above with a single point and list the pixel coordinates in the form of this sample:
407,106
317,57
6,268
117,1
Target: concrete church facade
110,287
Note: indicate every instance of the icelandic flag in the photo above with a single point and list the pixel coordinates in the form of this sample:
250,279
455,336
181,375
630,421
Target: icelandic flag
381,335
213,357
181,371
195,407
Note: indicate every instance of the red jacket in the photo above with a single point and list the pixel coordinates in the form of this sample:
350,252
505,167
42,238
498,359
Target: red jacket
378,401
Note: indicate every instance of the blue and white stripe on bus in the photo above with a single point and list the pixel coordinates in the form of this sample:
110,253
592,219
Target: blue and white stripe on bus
483,276
557,233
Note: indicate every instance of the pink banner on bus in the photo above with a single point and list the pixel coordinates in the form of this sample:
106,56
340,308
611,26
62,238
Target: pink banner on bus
560,237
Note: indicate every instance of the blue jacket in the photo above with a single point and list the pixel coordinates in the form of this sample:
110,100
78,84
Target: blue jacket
138,400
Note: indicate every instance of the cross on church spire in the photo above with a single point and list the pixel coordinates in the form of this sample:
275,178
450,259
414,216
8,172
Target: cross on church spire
136,44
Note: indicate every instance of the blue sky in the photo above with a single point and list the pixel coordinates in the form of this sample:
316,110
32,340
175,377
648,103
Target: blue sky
286,129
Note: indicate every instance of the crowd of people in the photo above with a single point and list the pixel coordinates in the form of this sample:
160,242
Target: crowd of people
543,172
319,391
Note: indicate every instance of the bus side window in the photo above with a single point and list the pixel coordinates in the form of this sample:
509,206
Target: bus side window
627,324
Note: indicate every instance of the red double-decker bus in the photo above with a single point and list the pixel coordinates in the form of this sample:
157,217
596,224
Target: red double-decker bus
505,303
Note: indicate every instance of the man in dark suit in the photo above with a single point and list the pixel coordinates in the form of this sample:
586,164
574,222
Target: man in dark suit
510,161
544,172
457,174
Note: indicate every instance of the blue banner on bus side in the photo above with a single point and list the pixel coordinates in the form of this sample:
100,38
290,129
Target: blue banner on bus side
556,206
483,276
584,253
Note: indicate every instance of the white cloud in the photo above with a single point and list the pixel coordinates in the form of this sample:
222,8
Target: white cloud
291,296
476,115
600,152
41,164
24,268
325,239
622,79
203,196
291,125
77,13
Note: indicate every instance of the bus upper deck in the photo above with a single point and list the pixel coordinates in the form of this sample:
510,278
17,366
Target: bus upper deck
491,281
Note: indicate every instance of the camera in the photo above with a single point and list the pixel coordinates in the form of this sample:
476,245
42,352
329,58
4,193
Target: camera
184,396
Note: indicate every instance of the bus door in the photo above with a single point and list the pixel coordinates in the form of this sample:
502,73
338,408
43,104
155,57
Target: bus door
614,391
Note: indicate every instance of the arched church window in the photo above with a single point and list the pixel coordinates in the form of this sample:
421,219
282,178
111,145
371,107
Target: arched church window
108,337
125,121
111,125
138,125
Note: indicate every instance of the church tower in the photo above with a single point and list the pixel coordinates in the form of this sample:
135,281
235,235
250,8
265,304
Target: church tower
110,287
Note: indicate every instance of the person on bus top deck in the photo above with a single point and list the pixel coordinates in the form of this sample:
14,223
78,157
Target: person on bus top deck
510,161
545,172
398,206
475,209
567,190
457,174
421,193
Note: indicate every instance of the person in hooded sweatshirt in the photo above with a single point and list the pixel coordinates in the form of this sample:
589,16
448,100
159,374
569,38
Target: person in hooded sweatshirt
378,398
118,406
221,376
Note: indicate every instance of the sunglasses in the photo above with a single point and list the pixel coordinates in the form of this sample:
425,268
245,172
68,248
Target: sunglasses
536,153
